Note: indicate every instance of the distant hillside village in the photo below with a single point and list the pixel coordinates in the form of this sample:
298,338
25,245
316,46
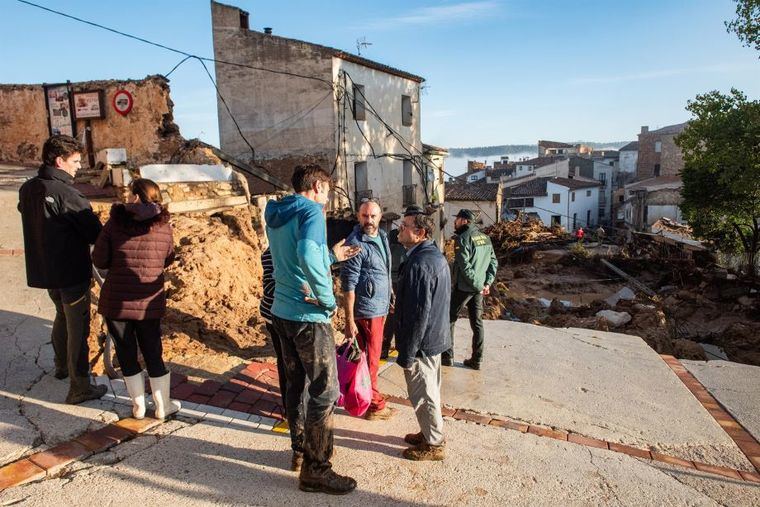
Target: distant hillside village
576,185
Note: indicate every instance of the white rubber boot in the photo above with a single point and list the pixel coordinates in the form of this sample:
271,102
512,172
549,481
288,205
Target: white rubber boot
161,387
136,389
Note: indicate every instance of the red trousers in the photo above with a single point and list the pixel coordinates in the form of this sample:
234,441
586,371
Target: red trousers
371,342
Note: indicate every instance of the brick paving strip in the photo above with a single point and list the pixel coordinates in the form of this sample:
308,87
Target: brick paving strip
251,400
11,252
576,438
743,438
51,461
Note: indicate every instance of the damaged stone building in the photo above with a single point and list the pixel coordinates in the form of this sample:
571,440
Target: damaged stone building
656,192
356,117
147,131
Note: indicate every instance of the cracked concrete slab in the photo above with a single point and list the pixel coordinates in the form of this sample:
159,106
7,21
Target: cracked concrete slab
57,421
604,385
736,386
204,464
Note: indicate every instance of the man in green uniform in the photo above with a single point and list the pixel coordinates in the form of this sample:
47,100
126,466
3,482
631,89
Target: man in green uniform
474,271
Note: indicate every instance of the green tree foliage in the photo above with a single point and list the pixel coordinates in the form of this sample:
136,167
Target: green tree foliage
721,175
746,26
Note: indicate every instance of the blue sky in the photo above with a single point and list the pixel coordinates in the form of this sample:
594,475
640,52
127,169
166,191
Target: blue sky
498,72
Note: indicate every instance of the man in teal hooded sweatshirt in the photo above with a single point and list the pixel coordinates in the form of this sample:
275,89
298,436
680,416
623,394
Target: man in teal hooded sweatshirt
303,305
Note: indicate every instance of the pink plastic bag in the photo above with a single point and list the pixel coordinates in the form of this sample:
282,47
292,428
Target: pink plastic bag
353,379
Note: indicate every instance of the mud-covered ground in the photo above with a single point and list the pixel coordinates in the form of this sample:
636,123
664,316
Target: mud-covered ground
691,306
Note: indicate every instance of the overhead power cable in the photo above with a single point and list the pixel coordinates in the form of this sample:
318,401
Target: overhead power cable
168,48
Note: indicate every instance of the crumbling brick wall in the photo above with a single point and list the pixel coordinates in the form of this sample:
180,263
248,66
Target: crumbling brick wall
148,132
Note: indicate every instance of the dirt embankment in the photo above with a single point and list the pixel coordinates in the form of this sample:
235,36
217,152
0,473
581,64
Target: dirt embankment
212,324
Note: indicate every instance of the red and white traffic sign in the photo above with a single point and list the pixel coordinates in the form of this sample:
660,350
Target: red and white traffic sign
123,102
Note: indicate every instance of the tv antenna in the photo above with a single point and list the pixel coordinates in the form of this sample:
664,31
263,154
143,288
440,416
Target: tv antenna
362,43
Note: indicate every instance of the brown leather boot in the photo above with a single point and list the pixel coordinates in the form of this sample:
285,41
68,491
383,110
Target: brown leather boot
326,482
380,415
425,452
414,438
81,390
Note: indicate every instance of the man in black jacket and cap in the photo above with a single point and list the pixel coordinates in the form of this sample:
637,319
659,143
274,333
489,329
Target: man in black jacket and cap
422,332
59,227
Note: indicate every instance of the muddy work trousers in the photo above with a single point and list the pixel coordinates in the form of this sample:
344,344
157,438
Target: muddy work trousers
308,351
71,328
474,302
128,335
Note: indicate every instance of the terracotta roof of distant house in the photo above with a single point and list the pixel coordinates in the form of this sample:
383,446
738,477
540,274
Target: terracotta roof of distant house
576,183
554,144
632,146
532,188
659,181
537,186
479,191
538,161
671,129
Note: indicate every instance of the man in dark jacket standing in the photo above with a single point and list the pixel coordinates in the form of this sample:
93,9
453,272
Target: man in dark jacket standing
59,227
366,283
422,331
474,271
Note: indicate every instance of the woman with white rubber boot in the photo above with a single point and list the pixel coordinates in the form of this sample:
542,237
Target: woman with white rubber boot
135,246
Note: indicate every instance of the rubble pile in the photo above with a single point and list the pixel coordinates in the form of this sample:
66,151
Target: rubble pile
213,288
215,285
514,236
693,304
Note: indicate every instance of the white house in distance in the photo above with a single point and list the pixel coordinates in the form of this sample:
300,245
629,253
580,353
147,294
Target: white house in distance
554,148
483,198
571,203
629,156
528,167
296,102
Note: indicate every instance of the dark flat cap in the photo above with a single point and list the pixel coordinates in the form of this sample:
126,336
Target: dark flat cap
413,210
466,214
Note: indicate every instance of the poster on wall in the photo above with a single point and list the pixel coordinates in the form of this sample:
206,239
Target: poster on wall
89,105
59,108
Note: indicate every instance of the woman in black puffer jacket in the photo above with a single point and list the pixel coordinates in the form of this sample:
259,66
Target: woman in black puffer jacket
135,246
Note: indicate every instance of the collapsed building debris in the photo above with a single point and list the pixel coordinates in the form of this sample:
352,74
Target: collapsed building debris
680,298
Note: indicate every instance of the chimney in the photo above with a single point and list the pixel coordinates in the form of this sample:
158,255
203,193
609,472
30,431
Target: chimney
645,129
244,20
268,30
